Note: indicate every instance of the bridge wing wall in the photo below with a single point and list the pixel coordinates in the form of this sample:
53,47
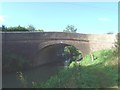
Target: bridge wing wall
103,41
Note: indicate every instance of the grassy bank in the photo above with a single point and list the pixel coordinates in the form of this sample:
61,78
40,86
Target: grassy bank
100,73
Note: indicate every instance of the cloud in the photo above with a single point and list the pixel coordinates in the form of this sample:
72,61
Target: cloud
104,19
2,19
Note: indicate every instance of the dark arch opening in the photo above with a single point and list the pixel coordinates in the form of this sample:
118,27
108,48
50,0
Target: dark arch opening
54,54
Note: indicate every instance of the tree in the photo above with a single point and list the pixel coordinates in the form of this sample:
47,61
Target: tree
20,28
72,54
31,28
40,30
70,28
4,28
17,28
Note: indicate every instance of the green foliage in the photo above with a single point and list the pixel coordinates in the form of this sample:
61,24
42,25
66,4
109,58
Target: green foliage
72,53
3,28
101,73
70,28
57,81
31,28
40,30
20,28
102,57
117,44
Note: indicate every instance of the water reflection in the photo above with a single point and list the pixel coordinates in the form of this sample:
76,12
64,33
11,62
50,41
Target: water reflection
39,74
57,60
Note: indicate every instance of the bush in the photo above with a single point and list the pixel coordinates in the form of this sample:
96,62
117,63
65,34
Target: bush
72,53
17,28
117,44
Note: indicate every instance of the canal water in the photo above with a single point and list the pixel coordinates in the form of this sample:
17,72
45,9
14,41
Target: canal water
38,74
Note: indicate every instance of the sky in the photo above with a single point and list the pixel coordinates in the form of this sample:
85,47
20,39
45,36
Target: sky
87,17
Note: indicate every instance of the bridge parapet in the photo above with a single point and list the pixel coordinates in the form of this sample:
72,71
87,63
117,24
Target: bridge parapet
43,35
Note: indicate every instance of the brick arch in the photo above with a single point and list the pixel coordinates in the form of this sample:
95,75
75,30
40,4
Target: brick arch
80,45
37,60
66,44
49,43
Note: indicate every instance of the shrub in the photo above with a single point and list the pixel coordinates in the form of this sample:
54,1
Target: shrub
117,44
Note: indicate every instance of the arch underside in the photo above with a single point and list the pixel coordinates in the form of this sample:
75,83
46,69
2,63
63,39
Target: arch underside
81,45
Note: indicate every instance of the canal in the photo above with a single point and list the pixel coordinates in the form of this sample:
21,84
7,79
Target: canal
53,53
38,74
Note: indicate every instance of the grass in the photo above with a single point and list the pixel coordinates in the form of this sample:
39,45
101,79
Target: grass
100,73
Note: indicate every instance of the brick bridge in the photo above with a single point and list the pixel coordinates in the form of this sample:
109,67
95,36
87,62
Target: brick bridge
28,44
